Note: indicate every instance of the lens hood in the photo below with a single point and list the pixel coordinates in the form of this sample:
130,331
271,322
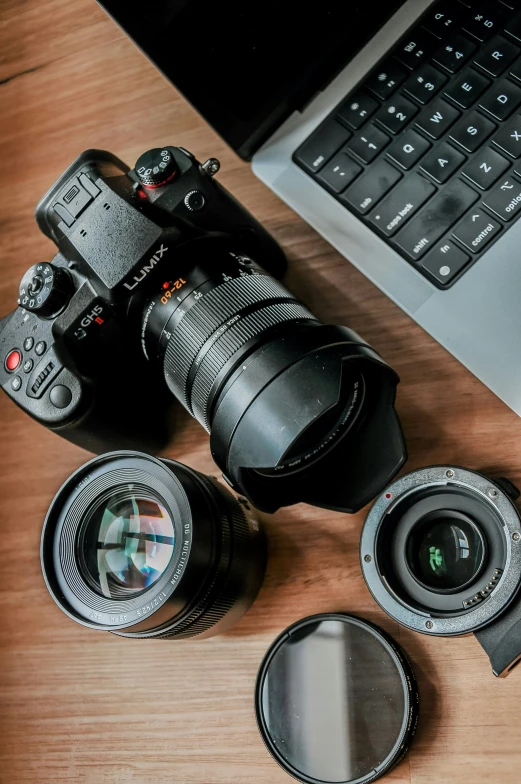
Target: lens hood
277,396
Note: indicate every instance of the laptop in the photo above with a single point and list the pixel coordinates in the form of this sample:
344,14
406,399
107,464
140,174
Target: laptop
394,129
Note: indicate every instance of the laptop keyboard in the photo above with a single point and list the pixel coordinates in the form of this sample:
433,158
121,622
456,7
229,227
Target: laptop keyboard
427,149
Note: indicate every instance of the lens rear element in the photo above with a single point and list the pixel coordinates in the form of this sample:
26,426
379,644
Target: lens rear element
445,550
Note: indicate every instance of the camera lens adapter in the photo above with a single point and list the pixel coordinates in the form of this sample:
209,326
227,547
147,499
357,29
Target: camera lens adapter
336,700
441,554
150,548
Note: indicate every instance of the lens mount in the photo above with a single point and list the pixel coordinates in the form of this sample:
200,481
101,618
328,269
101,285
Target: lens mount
448,520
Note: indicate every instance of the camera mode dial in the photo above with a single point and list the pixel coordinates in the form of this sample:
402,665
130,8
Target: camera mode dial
44,290
156,167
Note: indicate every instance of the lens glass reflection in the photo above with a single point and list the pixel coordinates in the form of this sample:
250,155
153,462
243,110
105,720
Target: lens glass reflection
445,550
126,544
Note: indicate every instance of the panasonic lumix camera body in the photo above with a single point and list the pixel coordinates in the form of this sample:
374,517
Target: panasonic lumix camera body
72,353
165,288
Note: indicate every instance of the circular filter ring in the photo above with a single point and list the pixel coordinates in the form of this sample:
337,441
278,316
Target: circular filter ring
336,700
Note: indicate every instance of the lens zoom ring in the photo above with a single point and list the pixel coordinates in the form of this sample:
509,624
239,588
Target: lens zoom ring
206,316
231,341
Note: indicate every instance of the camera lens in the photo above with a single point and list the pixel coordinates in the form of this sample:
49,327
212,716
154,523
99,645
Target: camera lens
445,550
296,410
150,548
126,543
436,550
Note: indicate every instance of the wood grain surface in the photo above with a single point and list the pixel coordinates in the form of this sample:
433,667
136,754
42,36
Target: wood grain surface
80,706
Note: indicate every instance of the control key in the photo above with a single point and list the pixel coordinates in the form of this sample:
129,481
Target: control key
476,230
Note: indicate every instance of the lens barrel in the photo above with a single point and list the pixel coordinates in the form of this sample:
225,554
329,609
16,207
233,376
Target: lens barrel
150,548
296,410
439,550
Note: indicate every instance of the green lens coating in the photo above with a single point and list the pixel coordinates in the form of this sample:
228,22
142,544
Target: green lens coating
445,550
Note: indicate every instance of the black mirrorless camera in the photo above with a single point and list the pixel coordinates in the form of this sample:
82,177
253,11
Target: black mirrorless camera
161,276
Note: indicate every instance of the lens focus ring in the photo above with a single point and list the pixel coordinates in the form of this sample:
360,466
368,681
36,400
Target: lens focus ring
215,327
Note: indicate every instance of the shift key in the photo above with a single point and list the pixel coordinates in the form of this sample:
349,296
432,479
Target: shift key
435,219
402,203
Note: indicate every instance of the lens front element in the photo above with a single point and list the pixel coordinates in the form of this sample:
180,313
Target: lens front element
445,550
126,543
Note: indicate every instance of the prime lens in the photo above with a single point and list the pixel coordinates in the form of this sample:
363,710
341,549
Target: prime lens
151,548
296,410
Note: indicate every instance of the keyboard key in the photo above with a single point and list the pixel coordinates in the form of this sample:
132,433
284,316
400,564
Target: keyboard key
472,130
515,70
467,88
497,55
455,52
484,20
318,149
357,109
445,261
368,143
425,83
437,118
402,203
442,162
408,148
416,47
505,199
371,186
513,27
476,230
485,167
501,100
387,79
339,172
396,114
509,137
435,219
442,19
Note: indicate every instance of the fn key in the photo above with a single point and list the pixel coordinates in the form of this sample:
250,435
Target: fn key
444,262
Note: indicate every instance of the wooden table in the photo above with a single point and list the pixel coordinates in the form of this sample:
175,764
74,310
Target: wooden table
80,706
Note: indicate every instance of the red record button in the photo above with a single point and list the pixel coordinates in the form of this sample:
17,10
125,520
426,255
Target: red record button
12,360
